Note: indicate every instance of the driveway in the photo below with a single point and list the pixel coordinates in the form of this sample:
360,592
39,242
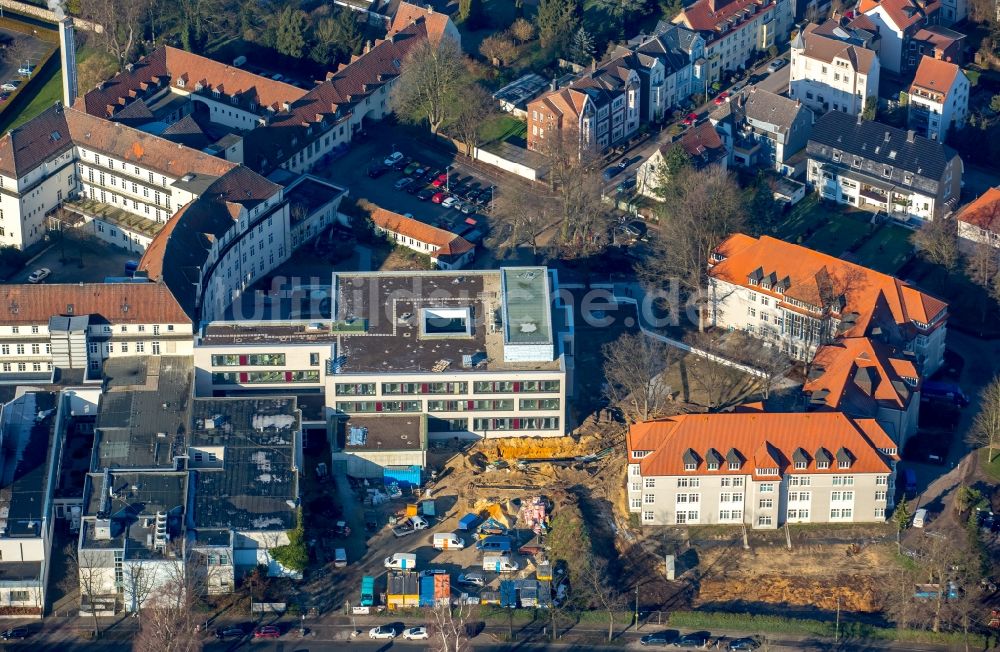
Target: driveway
77,262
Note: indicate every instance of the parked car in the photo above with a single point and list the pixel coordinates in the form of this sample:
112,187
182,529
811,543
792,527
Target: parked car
233,631
474,578
440,180
401,163
392,159
757,78
413,188
411,168
11,85
4,97
449,202
468,208
659,638
432,173
722,97
920,518
425,194
376,171
694,639
267,631
25,70
439,197
15,634
420,172
39,275
416,634
690,119
382,632
626,185
776,65
745,643
624,163
402,183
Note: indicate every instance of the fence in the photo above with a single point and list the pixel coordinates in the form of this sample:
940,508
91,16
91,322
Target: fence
48,15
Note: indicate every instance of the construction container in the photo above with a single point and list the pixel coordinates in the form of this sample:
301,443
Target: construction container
442,589
545,594
411,510
428,508
403,590
508,594
367,591
468,522
427,591
529,593
405,476
543,572
489,597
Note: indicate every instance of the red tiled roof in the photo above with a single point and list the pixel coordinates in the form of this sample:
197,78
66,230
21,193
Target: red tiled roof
709,15
115,303
703,140
935,75
407,14
812,275
448,243
984,212
903,13
858,374
766,439
821,47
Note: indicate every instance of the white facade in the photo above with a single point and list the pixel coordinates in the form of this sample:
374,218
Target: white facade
837,85
845,189
236,367
934,112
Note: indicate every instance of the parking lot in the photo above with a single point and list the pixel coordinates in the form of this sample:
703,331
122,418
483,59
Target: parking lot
77,262
352,170
33,51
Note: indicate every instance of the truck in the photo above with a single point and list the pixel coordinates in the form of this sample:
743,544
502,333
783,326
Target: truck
500,564
508,594
939,390
409,526
911,482
447,541
529,593
401,561
367,591
930,591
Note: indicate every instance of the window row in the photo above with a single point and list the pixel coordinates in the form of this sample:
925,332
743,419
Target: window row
509,386
470,406
526,423
261,377
248,360
23,366
424,388
379,406
21,349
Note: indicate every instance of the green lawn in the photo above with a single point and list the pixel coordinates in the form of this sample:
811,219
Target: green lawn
800,219
887,249
504,127
840,233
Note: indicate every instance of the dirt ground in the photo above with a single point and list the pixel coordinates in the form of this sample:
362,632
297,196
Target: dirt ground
814,577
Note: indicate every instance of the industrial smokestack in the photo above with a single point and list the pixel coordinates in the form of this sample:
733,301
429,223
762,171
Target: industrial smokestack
67,50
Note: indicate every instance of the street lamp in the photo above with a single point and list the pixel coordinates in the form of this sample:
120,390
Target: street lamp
491,198
447,178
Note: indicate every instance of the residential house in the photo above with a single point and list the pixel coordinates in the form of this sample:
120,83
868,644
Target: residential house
514,97
866,379
763,129
801,299
897,22
736,30
829,73
879,168
600,109
979,221
438,25
702,144
939,99
445,249
941,43
665,64
68,330
760,469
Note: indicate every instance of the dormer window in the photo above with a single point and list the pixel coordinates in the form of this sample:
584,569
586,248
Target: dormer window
887,172
801,465
234,100
856,162
836,156
713,466
180,83
767,471
216,93
734,466
822,465
638,455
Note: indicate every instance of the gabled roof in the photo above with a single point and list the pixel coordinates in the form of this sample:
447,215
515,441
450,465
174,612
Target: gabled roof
902,13
763,106
710,15
702,143
870,298
407,14
36,141
448,243
936,76
109,303
823,48
984,212
768,439
858,375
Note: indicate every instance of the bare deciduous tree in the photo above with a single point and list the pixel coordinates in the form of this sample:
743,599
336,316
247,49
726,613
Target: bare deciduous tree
594,583
575,177
634,365
433,78
518,217
169,622
767,358
139,581
475,110
985,430
499,49
450,624
522,30
937,242
723,386
93,568
123,22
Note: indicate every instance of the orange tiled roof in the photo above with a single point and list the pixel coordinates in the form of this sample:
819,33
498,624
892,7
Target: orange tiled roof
935,75
447,242
703,139
407,14
903,13
984,212
810,276
858,374
112,303
765,439
708,15
824,48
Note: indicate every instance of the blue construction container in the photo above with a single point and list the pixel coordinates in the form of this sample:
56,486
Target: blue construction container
404,476
508,593
468,522
427,591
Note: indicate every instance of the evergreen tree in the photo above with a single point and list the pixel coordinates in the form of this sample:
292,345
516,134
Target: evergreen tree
581,48
470,13
556,20
290,36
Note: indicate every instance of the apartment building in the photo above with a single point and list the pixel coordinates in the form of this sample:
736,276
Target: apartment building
939,99
761,470
30,454
68,330
897,23
600,109
736,30
866,378
979,222
702,144
829,73
445,249
666,66
883,169
801,299
763,129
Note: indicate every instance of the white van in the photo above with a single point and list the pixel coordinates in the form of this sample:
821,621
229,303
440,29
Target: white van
402,561
499,564
447,541
340,558
920,518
